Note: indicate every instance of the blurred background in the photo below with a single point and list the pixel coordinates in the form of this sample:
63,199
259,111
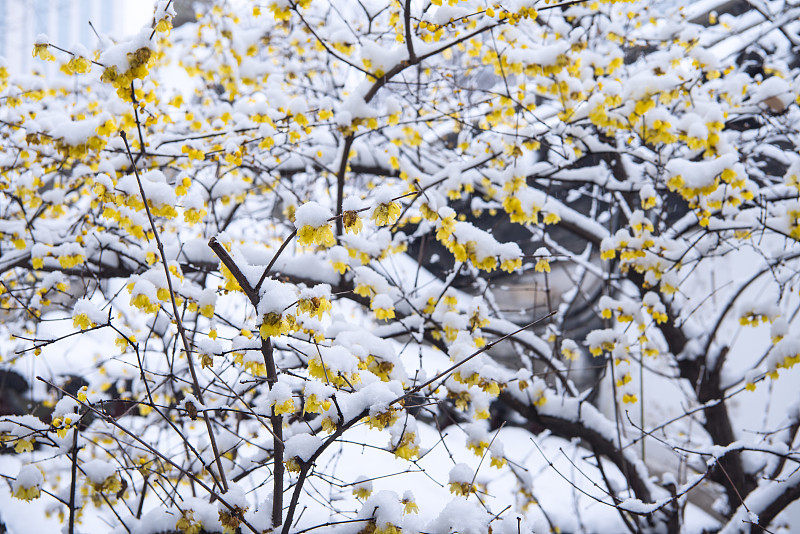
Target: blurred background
66,23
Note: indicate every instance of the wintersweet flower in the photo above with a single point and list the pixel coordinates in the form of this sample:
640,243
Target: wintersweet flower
321,235
570,350
24,445
187,524
82,321
352,222
314,405
461,488
122,342
314,306
498,462
380,368
69,261
293,464
386,213
194,216
79,65
328,425
542,256
384,314
383,419
362,489
274,324
511,265
42,51
285,407
143,302
27,486
407,448
164,25
477,447
62,426
409,506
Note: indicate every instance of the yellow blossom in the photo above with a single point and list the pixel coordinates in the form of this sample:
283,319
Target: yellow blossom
322,235
24,445
407,448
273,325
462,488
187,524
385,214
498,462
293,465
362,491
384,313
164,25
328,425
410,507
314,405
286,407
351,221
193,216
79,65
41,50
314,306
542,265
82,321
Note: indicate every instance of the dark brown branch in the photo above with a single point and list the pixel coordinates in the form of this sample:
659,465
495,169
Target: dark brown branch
569,429
73,482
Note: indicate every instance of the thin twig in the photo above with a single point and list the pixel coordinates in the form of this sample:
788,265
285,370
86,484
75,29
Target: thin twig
197,390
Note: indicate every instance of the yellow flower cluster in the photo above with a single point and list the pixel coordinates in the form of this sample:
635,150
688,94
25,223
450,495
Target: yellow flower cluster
377,366
187,524
293,465
753,318
462,488
28,494
352,222
314,306
321,235
143,302
42,51
82,321
164,25
324,373
386,213
469,249
314,405
276,324
24,444
79,65
407,448
139,63
384,314
110,485
285,407
383,419
517,213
